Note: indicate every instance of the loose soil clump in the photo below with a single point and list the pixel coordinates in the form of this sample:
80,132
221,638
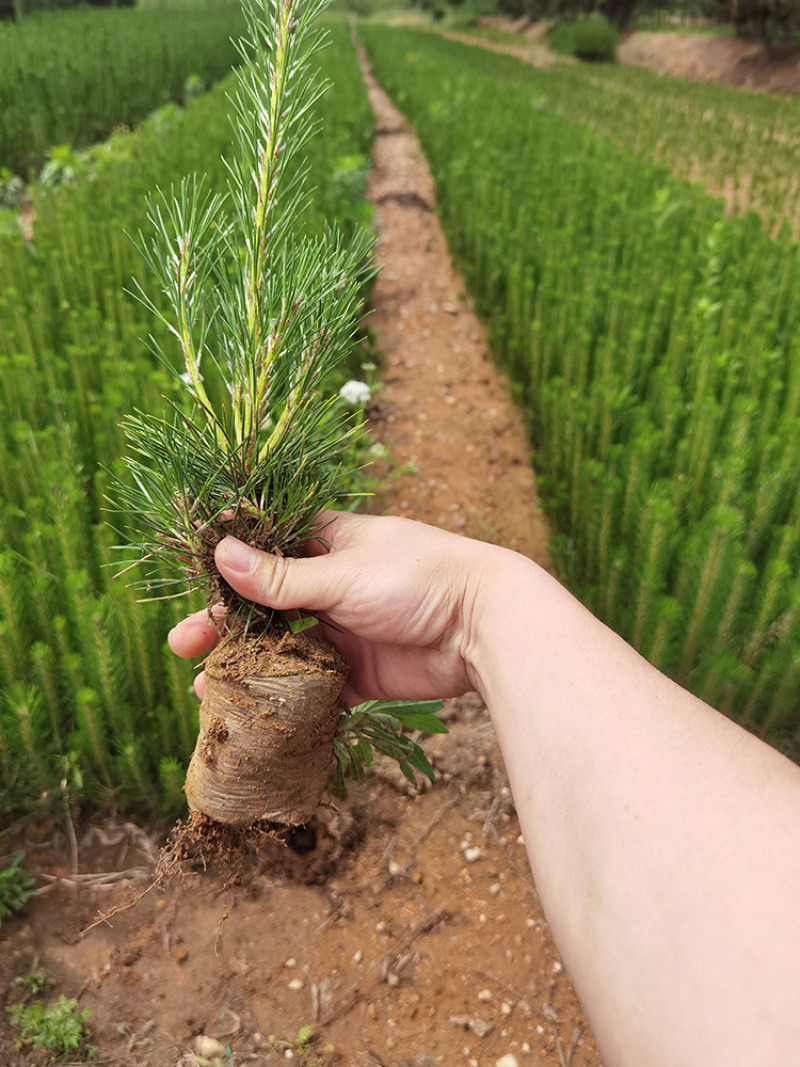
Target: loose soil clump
267,724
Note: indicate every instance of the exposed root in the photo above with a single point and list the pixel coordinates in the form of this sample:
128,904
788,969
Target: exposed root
202,842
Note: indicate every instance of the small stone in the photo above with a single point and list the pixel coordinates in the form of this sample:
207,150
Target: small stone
481,1027
509,1060
558,967
290,964
295,984
485,995
208,1047
358,956
472,854
506,1008
460,1021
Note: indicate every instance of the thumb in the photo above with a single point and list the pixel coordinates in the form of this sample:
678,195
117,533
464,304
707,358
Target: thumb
277,582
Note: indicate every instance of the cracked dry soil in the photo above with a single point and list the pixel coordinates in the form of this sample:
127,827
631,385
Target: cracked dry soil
407,930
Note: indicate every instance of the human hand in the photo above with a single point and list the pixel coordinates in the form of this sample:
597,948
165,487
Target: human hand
398,598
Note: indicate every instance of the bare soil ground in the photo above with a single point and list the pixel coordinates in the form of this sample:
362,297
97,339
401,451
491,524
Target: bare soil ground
745,64
406,930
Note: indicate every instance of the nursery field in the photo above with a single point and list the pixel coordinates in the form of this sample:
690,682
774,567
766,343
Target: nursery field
649,342
742,146
653,342
68,78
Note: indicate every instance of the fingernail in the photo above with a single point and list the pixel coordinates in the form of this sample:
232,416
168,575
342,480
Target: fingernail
236,556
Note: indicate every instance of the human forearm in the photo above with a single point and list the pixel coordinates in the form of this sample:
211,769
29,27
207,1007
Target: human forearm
662,837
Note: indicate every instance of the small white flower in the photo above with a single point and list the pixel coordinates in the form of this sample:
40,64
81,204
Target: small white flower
356,394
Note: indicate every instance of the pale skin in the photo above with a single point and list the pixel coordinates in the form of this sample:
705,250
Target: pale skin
664,839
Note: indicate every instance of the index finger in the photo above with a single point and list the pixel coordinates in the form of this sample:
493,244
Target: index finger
196,635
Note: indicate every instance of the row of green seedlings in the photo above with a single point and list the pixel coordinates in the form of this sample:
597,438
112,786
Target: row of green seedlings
70,77
745,147
656,346
93,702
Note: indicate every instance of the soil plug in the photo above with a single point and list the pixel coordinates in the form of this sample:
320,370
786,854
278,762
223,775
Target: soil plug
259,316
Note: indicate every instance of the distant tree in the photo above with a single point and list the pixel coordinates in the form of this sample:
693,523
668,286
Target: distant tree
619,12
761,19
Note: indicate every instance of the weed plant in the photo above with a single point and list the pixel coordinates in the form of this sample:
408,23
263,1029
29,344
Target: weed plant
60,1030
16,886
91,695
656,346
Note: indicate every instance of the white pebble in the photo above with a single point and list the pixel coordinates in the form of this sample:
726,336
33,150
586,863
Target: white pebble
540,1029
520,840
358,956
485,994
472,854
558,967
208,1047
290,964
295,984
506,1008
509,1060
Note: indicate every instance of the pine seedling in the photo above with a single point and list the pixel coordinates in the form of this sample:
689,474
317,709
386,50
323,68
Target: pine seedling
259,317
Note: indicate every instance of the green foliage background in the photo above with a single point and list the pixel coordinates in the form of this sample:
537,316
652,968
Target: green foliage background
91,697
655,345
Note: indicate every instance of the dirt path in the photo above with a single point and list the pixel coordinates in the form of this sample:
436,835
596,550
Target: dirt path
443,410
534,50
407,930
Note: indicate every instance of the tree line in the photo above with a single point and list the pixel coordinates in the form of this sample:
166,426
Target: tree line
767,20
